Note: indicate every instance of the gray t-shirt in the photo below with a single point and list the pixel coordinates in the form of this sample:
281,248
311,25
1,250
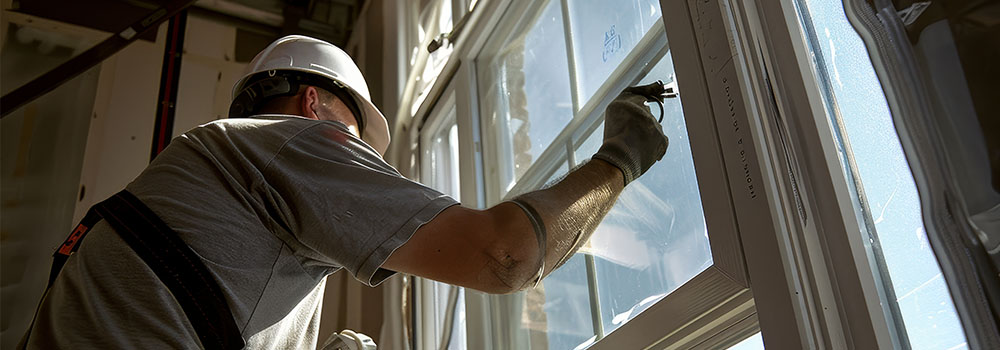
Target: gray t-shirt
272,205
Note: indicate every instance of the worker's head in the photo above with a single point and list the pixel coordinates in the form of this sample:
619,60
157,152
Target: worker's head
314,79
296,93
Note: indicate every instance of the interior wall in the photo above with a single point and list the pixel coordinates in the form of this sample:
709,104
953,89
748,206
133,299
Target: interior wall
45,151
57,164
89,138
208,72
121,132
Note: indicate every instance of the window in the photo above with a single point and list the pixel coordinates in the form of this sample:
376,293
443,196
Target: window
544,82
442,306
655,238
744,189
435,20
442,160
525,88
886,196
562,308
603,33
753,343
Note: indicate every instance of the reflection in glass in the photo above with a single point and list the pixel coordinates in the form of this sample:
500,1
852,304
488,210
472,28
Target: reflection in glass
755,342
604,32
443,161
566,309
526,97
435,60
444,312
655,238
459,337
442,173
855,99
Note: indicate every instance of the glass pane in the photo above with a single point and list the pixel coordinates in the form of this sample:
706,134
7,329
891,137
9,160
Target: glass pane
887,191
459,336
755,342
558,174
440,168
437,59
442,173
593,143
566,309
655,238
443,161
604,32
442,310
439,293
524,77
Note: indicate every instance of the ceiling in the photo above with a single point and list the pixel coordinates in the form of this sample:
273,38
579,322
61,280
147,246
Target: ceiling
258,22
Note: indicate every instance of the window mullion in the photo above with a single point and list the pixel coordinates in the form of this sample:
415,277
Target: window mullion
571,57
592,291
595,297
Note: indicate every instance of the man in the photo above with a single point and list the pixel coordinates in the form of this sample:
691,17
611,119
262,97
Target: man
266,207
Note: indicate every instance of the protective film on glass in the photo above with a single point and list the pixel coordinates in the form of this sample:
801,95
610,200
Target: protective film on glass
560,306
755,342
603,33
526,97
437,58
442,160
888,188
655,238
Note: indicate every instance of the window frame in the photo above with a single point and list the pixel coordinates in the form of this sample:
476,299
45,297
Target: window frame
455,87
836,299
729,303
945,219
744,63
431,334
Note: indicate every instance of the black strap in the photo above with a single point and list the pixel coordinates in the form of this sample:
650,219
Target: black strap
72,243
174,263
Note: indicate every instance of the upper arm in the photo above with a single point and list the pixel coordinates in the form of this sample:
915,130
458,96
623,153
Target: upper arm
491,250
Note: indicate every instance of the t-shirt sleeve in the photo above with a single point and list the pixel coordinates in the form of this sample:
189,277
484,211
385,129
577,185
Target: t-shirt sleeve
339,204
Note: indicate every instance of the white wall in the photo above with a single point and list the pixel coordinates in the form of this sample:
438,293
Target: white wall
89,138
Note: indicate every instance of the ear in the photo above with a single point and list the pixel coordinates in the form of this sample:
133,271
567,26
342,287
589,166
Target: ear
309,103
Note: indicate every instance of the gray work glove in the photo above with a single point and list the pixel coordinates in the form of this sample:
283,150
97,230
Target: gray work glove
633,140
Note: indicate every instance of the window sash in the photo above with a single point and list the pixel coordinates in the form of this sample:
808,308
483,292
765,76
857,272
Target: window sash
744,63
726,276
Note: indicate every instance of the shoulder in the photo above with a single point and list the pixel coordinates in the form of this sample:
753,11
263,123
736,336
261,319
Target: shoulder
264,133
275,123
333,140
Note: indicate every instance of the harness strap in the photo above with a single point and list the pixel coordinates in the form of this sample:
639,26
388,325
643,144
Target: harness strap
173,262
72,243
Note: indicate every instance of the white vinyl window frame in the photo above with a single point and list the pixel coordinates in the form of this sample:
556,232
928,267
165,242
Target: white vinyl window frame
813,277
718,300
435,306
716,304
451,91
944,219
788,256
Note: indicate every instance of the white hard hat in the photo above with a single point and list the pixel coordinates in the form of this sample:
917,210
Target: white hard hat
310,55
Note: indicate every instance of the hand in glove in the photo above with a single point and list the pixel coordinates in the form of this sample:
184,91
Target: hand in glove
633,140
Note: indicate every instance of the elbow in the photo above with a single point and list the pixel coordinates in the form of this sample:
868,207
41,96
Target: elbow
512,257
508,275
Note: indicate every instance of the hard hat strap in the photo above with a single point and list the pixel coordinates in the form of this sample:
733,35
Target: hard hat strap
264,86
